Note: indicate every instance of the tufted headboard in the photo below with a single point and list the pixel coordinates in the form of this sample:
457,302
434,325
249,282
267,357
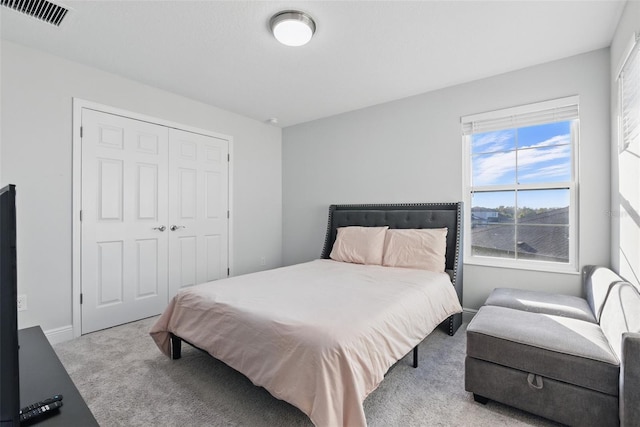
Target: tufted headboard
410,215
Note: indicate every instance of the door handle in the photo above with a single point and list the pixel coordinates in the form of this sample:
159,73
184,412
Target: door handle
176,227
161,228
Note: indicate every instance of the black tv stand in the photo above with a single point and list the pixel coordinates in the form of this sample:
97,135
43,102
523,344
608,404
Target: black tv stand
42,375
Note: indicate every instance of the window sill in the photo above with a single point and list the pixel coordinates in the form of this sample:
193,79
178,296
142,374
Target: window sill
522,265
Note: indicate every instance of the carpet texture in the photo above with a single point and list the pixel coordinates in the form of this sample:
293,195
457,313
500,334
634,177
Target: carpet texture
127,381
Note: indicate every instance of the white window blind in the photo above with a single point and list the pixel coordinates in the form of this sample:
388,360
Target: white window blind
556,110
629,81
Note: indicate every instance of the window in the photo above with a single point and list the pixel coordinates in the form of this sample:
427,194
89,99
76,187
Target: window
629,95
520,186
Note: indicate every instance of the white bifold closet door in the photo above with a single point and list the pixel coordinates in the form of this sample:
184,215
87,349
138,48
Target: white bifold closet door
154,216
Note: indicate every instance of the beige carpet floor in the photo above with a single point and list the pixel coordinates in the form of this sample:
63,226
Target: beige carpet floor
127,381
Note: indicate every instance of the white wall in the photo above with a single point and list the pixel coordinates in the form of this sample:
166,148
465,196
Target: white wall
411,151
36,112
625,166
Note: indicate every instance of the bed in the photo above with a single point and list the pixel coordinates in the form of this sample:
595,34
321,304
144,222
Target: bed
321,335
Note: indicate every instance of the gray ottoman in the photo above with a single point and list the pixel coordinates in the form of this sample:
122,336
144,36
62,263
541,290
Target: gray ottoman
561,368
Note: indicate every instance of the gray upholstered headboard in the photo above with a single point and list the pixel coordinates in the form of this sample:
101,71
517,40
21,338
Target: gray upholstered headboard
409,215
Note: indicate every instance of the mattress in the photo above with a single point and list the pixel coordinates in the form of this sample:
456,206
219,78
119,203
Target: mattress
320,335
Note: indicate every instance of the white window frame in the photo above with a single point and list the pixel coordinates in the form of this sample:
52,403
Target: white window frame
562,109
629,81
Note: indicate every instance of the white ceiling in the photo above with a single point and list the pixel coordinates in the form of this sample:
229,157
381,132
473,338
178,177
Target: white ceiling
363,53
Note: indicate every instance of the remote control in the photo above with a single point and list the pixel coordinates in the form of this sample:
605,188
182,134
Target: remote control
36,405
41,408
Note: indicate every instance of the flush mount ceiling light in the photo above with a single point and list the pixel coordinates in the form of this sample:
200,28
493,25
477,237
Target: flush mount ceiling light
292,27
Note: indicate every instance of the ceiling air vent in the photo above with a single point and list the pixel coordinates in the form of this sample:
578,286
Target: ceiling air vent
43,10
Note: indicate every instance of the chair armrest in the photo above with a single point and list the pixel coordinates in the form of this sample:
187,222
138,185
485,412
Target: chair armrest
630,380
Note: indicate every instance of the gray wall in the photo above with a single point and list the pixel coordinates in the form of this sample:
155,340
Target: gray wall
625,166
36,112
411,151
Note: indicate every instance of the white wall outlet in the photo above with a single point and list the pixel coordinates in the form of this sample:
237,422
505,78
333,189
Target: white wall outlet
22,302
263,261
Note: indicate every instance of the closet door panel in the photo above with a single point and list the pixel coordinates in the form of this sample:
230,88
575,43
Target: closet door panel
198,200
124,202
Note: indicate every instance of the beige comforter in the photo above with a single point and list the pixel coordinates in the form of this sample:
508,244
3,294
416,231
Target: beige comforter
319,335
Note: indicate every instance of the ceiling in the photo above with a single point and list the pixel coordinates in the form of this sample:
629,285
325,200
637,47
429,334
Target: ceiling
363,52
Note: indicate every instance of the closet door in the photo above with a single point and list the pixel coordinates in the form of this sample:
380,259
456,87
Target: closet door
124,220
198,213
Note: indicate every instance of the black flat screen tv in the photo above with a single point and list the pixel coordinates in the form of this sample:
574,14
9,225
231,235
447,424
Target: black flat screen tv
9,373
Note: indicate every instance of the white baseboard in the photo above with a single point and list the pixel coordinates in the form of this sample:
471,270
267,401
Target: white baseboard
467,314
58,335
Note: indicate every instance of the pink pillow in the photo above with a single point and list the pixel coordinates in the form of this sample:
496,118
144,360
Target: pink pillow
423,248
359,245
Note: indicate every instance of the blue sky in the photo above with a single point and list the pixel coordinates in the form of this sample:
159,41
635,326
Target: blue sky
542,154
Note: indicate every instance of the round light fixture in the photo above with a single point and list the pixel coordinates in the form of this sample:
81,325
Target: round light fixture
292,27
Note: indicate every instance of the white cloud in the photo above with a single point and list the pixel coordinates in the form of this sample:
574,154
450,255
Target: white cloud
556,140
493,141
546,173
531,157
491,169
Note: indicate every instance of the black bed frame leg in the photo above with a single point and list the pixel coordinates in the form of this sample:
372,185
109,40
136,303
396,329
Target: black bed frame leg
415,356
480,399
455,320
176,347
